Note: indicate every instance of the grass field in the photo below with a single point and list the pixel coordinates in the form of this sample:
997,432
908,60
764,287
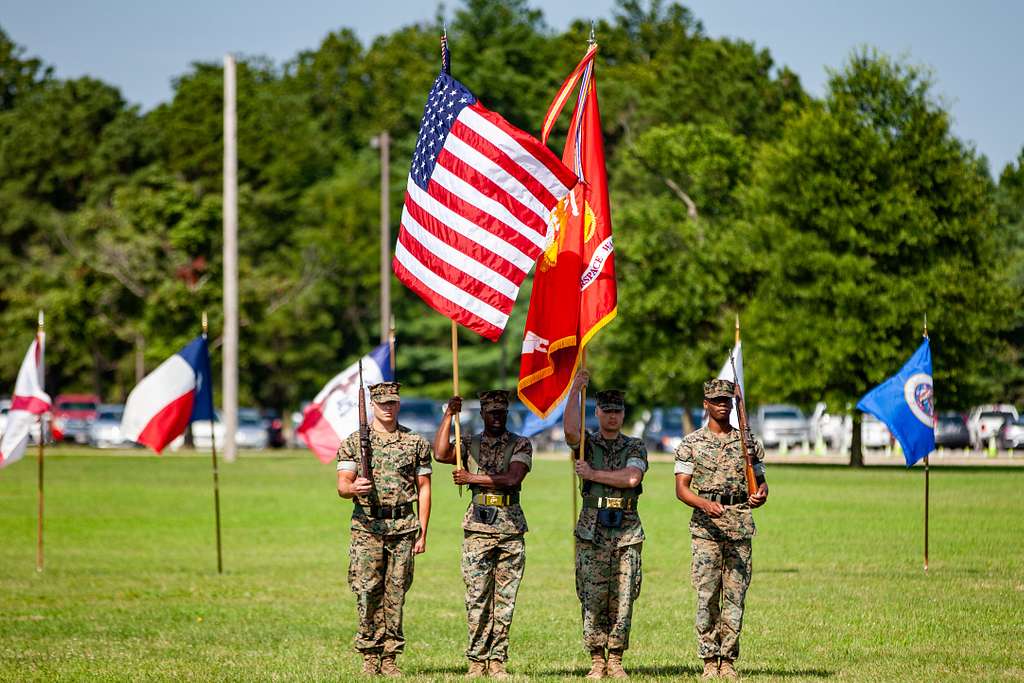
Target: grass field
131,592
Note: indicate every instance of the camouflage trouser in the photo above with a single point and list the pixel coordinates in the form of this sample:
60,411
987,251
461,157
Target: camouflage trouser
721,572
607,582
379,573
492,567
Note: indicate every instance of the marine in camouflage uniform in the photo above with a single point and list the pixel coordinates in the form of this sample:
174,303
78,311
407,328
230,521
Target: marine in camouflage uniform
386,531
609,536
710,460
493,547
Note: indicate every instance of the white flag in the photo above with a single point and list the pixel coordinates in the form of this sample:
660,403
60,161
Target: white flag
334,414
28,402
726,373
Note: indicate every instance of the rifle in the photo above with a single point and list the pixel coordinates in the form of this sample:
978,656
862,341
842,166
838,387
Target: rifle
364,431
741,412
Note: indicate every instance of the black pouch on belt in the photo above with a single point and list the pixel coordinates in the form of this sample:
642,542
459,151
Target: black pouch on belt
485,514
610,519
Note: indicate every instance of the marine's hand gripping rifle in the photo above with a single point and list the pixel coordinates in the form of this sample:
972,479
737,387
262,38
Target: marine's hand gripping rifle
364,431
741,412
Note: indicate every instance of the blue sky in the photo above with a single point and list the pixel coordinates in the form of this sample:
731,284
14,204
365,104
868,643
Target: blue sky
141,46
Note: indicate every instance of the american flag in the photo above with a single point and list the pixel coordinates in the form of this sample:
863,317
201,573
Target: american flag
476,209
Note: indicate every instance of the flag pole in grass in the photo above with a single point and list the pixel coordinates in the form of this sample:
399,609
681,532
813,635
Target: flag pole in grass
926,475
216,476
29,403
42,433
905,402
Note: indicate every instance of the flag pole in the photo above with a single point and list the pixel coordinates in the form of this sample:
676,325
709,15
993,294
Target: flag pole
455,387
591,41
737,333
216,477
926,476
391,346
583,439
42,448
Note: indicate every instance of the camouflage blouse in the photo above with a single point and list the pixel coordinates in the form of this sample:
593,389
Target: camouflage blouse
623,451
510,519
715,461
398,458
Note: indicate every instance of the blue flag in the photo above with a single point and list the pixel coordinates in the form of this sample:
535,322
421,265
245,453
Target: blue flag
534,425
905,403
197,354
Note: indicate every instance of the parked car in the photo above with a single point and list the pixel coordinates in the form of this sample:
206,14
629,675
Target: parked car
274,426
874,433
984,422
1011,434
951,431
251,432
553,438
834,430
665,430
5,405
73,413
105,430
421,415
473,423
778,423
294,440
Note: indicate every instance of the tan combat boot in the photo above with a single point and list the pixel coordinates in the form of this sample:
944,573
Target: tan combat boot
614,668
371,665
710,668
476,669
597,664
388,667
497,670
726,669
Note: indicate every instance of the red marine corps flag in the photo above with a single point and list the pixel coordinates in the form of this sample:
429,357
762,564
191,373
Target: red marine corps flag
574,288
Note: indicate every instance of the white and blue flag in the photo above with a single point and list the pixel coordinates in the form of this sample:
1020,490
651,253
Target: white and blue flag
905,403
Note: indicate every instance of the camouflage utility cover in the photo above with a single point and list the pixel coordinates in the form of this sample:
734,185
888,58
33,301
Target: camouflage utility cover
510,518
385,391
719,388
398,457
611,399
495,399
623,451
715,461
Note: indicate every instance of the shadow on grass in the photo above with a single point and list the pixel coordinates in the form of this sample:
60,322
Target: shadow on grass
778,570
456,671
693,670
787,673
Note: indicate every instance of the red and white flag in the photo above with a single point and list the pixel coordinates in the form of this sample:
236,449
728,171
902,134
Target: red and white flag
334,413
477,207
27,404
574,291
178,392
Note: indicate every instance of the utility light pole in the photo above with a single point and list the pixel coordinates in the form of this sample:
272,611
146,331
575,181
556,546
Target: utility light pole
229,388
383,143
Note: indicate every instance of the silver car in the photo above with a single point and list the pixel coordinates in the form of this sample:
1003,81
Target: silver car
777,424
105,430
251,432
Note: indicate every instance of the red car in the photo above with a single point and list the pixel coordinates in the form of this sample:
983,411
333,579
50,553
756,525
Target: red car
73,413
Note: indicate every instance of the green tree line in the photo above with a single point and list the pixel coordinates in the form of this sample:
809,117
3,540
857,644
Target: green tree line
830,226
